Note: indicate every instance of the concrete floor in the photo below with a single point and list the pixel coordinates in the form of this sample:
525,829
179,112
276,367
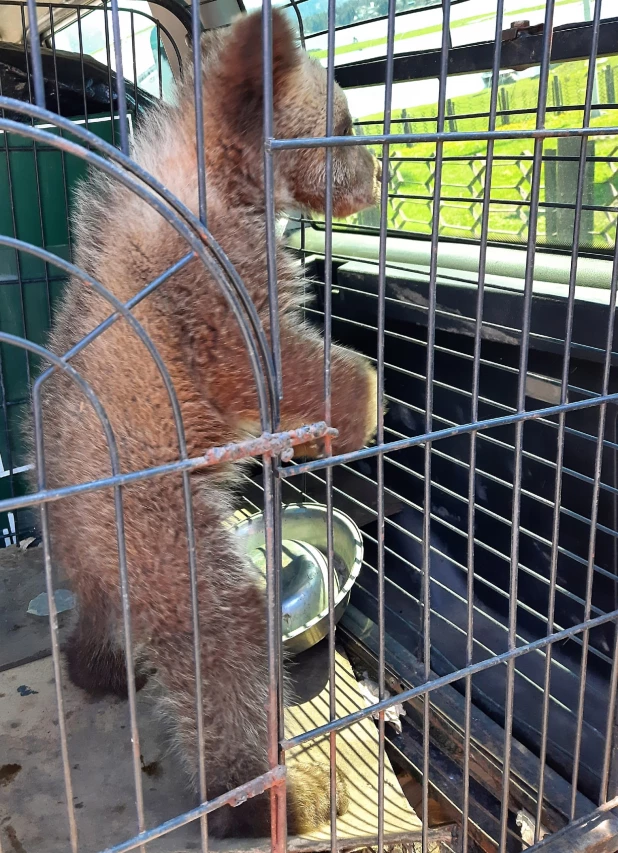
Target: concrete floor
33,815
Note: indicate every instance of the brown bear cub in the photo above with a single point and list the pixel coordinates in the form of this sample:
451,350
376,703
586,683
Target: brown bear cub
124,243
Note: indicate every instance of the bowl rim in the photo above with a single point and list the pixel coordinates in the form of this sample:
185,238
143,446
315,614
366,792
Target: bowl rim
356,564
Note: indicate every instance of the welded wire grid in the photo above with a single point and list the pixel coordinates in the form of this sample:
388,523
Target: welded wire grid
485,425
50,226
431,433
220,269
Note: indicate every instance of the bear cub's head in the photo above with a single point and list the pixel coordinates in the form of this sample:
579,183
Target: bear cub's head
233,87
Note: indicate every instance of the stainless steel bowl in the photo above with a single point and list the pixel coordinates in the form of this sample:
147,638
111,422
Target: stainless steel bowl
304,581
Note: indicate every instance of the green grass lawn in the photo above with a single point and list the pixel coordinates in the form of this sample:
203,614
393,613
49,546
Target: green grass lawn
464,177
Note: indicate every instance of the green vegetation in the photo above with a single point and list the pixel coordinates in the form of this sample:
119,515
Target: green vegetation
463,173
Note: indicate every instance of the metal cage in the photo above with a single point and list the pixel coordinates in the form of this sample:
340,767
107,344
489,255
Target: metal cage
487,607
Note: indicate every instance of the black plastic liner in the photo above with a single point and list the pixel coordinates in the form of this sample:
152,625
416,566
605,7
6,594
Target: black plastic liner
74,85
353,325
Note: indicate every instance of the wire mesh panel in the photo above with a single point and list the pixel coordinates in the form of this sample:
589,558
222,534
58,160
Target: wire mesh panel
431,589
38,180
482,292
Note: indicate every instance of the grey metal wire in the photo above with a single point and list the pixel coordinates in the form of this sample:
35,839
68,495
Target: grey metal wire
196,28
449,432
610,732
441,136
198,84
444,680
328,283
267,781
384,210
272,493
40,458
474,413
598,461
120,85
562,418
521,405
429,399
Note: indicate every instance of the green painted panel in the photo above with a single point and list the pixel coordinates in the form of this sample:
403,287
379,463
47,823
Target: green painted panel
14,361
36,186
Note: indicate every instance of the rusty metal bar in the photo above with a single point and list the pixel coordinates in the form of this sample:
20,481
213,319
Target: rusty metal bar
594,833
328,289
236,797
281,443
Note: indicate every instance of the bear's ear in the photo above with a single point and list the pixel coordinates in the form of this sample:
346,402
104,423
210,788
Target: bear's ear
240,68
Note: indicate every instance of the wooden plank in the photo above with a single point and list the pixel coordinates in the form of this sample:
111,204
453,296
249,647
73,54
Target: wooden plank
446,785
597,835
447,727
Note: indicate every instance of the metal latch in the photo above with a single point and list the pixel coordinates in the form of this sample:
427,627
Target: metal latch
519,28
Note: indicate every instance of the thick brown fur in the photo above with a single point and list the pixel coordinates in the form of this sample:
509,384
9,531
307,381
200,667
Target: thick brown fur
124,243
